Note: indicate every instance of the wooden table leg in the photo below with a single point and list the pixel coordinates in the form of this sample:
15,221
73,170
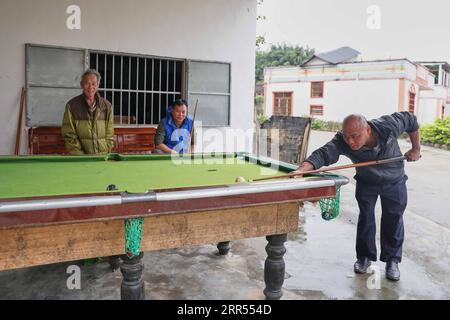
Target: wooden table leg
133,287
274,266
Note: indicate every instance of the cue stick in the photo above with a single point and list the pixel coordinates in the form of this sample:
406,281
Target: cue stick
192,129
346,166
19,125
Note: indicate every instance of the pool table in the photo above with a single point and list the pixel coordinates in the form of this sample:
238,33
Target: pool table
66,208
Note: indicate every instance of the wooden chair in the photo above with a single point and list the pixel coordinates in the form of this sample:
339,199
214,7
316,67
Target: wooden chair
132,140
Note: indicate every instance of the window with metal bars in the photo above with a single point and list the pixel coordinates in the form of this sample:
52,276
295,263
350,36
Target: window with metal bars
412,99
315,110
411,102
317,89
282,103
434,69
139,88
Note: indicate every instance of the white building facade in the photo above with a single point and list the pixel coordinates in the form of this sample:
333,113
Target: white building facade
438,99
331,90
195,52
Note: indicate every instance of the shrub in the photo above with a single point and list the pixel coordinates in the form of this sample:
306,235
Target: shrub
326,125
262,118
259,101
437,132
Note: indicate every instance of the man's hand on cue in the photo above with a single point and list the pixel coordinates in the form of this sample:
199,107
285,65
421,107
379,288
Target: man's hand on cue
412,155
305,166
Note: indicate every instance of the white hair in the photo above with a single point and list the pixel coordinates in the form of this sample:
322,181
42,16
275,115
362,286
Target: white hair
359,118
91,71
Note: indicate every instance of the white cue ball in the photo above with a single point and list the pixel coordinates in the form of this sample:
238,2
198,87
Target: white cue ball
240,179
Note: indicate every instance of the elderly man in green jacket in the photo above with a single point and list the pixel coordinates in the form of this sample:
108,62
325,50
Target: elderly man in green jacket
88,119
88,128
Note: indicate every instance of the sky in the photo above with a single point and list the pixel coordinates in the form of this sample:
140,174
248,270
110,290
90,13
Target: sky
415,29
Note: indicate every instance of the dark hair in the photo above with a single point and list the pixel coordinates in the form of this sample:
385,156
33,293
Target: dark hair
179,102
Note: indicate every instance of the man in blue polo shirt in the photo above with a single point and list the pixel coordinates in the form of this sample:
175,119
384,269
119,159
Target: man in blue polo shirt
362,140
172,134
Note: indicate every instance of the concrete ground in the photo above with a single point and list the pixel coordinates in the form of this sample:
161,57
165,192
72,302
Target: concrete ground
319,258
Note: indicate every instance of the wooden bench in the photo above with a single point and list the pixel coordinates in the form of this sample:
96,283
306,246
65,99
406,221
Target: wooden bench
49,140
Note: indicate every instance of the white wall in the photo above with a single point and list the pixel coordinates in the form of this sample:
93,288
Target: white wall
430,104
372,98
427,110
221,30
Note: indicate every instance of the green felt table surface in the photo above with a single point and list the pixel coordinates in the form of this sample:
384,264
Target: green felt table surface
32,176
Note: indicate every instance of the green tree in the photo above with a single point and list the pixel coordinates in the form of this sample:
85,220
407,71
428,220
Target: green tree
280,55
260,39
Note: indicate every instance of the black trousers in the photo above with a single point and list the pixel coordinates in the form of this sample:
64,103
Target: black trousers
393,203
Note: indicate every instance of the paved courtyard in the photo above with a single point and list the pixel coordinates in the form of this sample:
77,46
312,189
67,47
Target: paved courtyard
319,258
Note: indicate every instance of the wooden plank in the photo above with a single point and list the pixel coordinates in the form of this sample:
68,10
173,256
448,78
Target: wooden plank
288,217
22,247
303,147
172,231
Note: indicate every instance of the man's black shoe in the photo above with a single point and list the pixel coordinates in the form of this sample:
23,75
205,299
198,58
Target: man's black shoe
361,265
392,271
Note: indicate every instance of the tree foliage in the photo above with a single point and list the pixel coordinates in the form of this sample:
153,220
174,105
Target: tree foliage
280,55
260,39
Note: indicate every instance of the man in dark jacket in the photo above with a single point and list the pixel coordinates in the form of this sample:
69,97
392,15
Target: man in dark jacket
362,140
